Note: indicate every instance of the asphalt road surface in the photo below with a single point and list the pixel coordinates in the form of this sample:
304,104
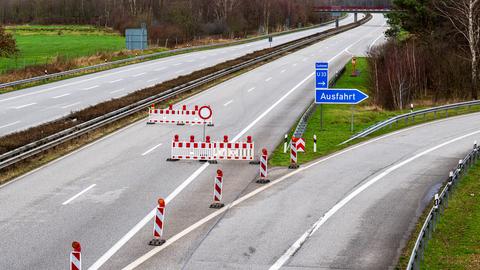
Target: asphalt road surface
102,195
32,106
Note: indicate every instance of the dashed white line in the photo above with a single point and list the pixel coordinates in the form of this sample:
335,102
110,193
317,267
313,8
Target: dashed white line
24,106
294,65
139,74
151,149
180,71
228,103
78,194
115,81
71,105
251,89
92,87
116,91
177,64
9,125
160,69
283,71
268,79
153,80
64,95
305,59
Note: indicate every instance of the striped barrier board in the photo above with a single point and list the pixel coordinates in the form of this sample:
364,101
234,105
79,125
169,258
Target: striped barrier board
212,151
197,116
300,143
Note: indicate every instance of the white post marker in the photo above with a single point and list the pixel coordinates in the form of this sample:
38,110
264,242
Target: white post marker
285,144
314,143
158,223
436,202
76,257
217,191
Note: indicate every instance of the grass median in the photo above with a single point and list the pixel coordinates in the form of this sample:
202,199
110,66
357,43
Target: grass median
337,121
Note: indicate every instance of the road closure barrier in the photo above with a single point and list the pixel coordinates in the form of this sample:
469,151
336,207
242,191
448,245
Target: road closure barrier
199,115
263,167
293,156
158,223
212,151
217,191
76,256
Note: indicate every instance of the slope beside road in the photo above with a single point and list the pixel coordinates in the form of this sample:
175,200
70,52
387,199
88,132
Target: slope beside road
35,105
102,195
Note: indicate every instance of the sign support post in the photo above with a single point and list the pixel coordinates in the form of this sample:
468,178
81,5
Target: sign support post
321,82
353,115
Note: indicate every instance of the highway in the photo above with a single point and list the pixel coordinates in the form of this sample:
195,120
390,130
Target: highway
35,105
102,195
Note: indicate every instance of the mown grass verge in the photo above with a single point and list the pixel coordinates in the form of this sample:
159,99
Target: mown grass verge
337,121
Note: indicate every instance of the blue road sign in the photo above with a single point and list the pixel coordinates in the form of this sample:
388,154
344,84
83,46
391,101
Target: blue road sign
321,80
339,96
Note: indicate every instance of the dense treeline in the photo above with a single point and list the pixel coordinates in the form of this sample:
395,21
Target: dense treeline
175,19
433,54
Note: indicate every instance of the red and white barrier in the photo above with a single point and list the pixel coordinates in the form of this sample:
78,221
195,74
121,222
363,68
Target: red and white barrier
293,156
217,191
158,223
212,151
299,143
263,167
76,257
197,116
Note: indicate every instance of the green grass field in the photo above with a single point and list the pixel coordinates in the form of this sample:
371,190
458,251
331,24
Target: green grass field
41,44
337,121
455,244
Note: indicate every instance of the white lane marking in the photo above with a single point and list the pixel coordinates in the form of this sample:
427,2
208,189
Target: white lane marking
145,220
298,244
92,87
160,69
375,41
177,64
201,65
305,59
228,103
78,194
191,61
115,81
71,105
201,222
268,79
24,106
64,95
180,71
9,125
283,71
116,91
251,89
150,215
139,74
152,80
151,149
294,65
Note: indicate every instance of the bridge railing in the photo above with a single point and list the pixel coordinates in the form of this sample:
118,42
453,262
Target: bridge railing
351,9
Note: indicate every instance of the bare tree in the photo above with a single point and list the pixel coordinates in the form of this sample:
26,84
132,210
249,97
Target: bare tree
465,18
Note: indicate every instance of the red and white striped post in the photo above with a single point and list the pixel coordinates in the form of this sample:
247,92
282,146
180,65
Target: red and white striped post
293,155
158,223
218,191
263,167
76,256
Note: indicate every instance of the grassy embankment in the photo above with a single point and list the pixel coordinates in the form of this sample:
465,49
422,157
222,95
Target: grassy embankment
455,244
40,44
337,119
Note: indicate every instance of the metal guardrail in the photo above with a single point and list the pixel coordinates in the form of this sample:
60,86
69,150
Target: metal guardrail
440,202
412,116
46,143
153,55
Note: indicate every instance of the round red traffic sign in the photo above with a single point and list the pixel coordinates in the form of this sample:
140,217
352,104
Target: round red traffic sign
205,112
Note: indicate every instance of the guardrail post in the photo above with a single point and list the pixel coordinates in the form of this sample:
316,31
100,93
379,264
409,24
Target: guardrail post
460,168
435,115
475,151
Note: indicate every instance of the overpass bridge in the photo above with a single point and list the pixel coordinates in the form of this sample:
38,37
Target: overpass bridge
353,6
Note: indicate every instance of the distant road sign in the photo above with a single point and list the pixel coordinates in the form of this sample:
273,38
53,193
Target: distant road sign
205,112
339,96
321,75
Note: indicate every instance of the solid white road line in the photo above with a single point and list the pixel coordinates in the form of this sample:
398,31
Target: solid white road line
151,149
177,64
116,91
251,89
24,106
298,244
71,105
78,194
202,64
115,81
152,80
150,215
92,87
228,103
9,125
64,95
268,79
375,41
139,74
201,222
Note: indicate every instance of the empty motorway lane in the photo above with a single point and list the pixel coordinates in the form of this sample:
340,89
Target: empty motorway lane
32,106
103,194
